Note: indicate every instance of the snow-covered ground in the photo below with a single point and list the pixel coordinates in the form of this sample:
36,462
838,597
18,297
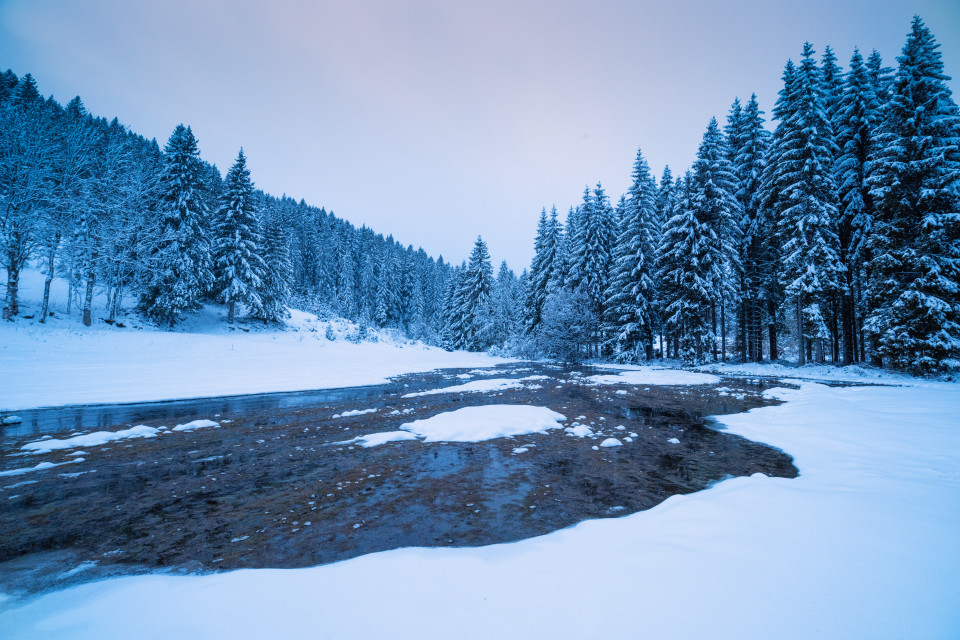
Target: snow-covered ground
862,545
63,362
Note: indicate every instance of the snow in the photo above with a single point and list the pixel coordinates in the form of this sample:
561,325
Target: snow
579,430
376,439
39,467
647,375
611,442
673,441
90,440
477,386
353,412
196,424
473,424
861,545
63,362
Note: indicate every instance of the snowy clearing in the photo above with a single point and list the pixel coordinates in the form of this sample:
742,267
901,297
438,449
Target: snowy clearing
646,375
861,545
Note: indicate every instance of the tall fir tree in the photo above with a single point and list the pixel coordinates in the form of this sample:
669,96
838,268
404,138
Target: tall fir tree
804,149
915,241
748,141
181,266
718,211
855,124
631,293
238,266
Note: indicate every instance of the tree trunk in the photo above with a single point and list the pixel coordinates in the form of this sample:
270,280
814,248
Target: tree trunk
233,304
12,307
723,331
713,318
772,327
88,299
801,346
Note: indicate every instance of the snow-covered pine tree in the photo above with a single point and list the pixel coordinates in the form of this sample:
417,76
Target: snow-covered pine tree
855,124
238,266
718,211
474,292
592,250
631,293
664,210
274,289
831,82
749,141
915,241
181,265
803,154
686,277
542,268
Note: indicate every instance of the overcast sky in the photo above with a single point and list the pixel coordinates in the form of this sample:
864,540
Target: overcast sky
437,121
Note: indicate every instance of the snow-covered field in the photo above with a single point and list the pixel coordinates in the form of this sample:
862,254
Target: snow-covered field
64,362
861,545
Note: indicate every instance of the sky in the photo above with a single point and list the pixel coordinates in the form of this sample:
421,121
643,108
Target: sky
438,121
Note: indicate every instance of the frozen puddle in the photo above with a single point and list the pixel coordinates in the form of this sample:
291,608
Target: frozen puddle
471,424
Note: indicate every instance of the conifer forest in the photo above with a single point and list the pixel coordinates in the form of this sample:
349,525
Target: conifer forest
824,228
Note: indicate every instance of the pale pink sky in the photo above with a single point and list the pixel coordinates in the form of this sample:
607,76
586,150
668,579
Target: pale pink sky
439,121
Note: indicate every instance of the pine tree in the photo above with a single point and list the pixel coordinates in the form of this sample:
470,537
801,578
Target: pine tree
748,142
591,249
630,294
239,266
685,277
831,82
915,241
542,269
274,289
718,212
855,123
182,267
804,150
474,291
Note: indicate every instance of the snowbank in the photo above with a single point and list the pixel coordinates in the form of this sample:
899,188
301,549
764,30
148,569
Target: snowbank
477,386
63,362
861,545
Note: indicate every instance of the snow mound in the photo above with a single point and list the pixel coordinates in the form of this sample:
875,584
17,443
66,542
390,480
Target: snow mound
354,412
474,424
90,440
579,430
196,424
656,376
611,442
673,441
376,439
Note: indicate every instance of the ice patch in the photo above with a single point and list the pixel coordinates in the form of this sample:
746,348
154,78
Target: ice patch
376,439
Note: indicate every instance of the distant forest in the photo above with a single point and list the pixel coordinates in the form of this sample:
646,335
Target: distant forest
835,238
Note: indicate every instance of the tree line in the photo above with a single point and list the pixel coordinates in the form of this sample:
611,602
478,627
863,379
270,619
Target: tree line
88,200
839,232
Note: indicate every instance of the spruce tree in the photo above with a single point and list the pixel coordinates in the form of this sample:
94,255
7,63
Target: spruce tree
915,240
181,265
239,267
474,291
803,154
855,123
748,142
630,294
718,212
274,289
